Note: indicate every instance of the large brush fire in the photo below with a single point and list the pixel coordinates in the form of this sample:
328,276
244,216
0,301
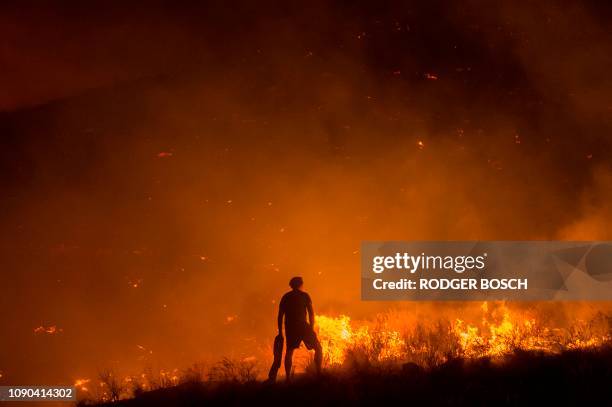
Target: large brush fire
500,332
392,339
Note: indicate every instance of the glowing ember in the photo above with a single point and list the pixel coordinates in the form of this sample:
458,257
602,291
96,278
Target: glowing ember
135,283
81,384
142,348
51,330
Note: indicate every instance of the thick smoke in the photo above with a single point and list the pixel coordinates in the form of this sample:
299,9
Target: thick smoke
166,171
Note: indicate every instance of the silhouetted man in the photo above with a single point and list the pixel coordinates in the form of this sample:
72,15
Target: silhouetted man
293,307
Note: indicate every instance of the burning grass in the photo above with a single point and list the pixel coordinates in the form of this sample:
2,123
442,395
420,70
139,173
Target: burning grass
572,377
491,331
498,332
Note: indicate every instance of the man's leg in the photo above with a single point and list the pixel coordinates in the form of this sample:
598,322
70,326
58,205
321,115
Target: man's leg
318,358
312,342
288,362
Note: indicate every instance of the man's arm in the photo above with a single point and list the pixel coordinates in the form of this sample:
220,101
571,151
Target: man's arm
311,315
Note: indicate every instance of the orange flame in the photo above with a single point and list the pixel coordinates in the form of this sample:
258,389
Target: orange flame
500,332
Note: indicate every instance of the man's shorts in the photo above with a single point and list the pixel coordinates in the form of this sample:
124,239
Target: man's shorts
297,335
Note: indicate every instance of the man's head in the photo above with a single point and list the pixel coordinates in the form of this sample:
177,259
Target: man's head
296,283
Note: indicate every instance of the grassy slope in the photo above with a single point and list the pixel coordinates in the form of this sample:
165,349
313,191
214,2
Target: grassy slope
572,378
